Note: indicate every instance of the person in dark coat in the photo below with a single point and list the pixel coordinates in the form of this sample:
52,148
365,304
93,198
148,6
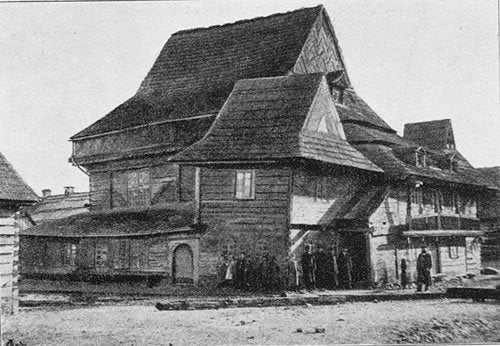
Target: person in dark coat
404,275
241,273
308,268
424,265
344,263
332,270
273,277
321,274
252,274
221,270
292,274
262,279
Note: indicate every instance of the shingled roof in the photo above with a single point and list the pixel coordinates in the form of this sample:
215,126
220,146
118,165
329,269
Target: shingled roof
60,206
12,186
266,119
197,69
433,134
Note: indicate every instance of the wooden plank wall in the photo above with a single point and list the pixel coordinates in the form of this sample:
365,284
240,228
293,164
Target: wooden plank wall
339,189
168,184
122,255
9,261
388,247
254,226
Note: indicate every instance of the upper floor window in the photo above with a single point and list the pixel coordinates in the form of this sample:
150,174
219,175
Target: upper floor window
245,184
420,158
138,188
321,189
417,199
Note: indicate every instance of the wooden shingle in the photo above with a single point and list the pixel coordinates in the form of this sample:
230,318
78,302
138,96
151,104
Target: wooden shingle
12,186
264,119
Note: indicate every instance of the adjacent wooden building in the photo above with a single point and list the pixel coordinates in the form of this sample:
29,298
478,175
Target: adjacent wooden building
250,137
14,194
489,213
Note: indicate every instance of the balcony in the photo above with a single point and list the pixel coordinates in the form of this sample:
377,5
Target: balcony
440,225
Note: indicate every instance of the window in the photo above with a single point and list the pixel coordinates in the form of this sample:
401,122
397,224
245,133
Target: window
456,202
245,184
262,247
122,254
138,188
417,199
420,158
321,191
70,255
453,251
438,201
338,95
101,255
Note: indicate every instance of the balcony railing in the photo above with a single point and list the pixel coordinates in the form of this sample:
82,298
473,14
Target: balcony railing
440,222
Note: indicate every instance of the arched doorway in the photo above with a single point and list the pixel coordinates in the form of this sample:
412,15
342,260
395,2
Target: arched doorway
182,264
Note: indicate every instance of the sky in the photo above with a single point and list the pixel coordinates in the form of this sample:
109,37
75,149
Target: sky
65,65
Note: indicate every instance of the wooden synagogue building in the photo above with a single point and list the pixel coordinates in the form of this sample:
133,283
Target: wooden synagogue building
250,137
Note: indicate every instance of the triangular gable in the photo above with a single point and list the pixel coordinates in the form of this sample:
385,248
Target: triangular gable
321,51
323,116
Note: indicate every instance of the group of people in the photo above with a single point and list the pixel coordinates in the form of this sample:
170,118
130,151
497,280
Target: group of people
321,270
263,274
324,270
424,266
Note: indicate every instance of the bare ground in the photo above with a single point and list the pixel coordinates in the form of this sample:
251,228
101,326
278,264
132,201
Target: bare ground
384,322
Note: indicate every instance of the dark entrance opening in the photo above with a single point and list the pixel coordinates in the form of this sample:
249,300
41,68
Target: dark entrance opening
356,244
182,264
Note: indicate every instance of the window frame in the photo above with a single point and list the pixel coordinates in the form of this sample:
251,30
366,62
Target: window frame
243,194
138,195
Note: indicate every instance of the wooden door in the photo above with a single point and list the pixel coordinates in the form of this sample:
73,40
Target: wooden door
182,264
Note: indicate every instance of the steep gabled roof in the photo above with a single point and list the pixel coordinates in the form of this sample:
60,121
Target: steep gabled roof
265,119
12,186
196,69
432,134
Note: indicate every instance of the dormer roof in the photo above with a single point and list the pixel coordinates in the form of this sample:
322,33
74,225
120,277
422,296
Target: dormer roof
277,118
436,134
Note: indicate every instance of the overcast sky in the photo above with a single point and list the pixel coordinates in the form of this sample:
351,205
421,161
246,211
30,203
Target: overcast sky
65,65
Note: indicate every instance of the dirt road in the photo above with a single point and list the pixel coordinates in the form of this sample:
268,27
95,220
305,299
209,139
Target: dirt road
383,322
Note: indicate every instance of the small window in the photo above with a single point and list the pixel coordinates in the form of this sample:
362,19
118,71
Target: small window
101,255
456,202
321,189
245,184
453,251
420,158
70,258
417,199
262,247
438,202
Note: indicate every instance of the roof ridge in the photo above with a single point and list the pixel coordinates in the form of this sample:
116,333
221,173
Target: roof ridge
428,121
245,21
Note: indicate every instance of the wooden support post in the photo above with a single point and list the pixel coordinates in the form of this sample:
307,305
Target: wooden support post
197,195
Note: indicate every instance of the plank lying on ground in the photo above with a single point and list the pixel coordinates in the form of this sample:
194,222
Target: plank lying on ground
473,293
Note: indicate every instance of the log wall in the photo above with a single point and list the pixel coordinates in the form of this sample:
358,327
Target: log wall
9,262
255,226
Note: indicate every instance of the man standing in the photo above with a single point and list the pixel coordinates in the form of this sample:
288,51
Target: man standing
308,267
292,274
424,265
241,272
344,263
321,259
332,269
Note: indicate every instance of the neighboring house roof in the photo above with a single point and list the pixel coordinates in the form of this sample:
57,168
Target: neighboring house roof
268,119
434,134
60,206
196,69
118,223
492,174
12,187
